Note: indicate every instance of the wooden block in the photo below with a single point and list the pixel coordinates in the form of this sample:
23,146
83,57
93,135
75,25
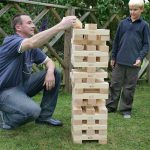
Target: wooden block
77,47
79,102
90,124
80,74
77,37
78,24
101,86
91,26
90,132
101,139
100,124
88,64
88,42
90,53
90,96
100,102
103,48
76,122
90,47
91,102
91,37
104,59
104,91
76,110
90,110
91,32
90,117
105,37
91,70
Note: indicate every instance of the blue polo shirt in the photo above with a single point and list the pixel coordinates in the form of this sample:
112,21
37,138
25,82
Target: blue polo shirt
16,67
132,41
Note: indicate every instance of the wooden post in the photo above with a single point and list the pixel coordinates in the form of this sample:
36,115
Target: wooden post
67,54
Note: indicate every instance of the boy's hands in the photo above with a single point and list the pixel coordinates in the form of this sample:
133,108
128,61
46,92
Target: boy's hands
137,63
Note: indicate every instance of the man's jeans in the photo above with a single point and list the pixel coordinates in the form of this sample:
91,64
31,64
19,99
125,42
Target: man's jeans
123,83
17,106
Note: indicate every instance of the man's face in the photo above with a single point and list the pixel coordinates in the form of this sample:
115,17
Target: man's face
26,29
135,12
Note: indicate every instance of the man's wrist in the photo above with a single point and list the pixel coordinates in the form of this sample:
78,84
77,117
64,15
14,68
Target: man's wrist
50,70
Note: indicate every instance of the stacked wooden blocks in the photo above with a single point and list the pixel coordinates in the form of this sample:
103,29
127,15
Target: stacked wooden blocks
90,56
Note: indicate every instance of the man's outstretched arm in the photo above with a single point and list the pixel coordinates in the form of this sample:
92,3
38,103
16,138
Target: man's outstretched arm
41,38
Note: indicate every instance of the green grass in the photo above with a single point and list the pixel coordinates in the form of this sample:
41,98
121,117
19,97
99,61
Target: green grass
132,134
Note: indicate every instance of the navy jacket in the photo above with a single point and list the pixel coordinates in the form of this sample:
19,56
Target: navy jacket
16,67
132,41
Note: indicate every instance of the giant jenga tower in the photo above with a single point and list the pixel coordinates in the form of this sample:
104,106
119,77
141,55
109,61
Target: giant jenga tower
90,56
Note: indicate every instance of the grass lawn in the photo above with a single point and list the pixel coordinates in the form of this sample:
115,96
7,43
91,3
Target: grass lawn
132,134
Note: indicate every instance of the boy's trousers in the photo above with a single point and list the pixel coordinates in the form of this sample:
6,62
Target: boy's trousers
122,87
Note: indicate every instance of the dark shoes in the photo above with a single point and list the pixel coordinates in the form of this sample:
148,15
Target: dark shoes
50,122
5,127
111,110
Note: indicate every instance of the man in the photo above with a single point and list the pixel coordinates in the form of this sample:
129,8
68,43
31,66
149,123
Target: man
18,85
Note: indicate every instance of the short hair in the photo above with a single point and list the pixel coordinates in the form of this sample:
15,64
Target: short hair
16,20
139,3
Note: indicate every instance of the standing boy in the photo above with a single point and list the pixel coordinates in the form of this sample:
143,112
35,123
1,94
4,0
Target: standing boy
131,44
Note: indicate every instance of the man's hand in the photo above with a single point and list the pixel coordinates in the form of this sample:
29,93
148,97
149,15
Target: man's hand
67,22
49,82
112,63
137,63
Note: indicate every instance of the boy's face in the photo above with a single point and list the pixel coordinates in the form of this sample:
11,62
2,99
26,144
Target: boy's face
135,12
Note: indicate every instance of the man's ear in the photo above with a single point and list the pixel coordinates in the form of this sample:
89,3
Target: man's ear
18,27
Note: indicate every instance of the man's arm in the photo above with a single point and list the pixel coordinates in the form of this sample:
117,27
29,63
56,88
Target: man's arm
41,38
49,78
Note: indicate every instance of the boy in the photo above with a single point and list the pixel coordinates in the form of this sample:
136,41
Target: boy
131,44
